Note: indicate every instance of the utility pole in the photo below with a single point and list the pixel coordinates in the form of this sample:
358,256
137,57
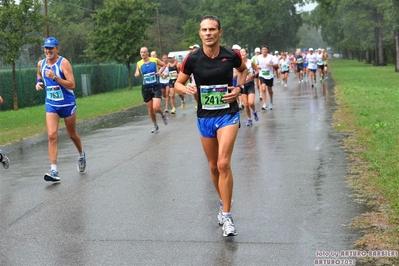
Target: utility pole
159,35
46,19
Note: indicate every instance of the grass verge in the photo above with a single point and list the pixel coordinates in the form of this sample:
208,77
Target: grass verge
31,121
369,100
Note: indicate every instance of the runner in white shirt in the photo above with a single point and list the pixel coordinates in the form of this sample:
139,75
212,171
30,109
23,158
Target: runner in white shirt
164,82
312,66
266,64
248,93
320,64
257,83
284,64
277,69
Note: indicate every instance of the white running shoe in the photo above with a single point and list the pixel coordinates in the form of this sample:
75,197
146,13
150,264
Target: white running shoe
154,129
229,228
165,119
5,161
82,163
52,176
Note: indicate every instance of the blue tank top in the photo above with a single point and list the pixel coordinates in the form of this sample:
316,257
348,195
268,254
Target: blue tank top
56,95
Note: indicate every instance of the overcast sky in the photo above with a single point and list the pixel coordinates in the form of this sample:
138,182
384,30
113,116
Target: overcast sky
309,7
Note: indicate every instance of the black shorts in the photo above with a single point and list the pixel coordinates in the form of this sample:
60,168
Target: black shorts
313,70
149,92
256,76
268,82
320,67
249,87
172,83
299,68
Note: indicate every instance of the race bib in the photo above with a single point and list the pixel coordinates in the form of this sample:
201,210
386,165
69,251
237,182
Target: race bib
299,61
172,74
284,67
163,80
211,97
54,93
149,78
319,62
249,76
265,73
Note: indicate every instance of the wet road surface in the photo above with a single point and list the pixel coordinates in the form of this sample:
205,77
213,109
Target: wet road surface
147,199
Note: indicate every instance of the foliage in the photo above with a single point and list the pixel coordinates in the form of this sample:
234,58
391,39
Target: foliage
350,25
119,31
70,21
251,23
20,24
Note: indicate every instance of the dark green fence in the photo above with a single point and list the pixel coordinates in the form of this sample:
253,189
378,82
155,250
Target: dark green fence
102,77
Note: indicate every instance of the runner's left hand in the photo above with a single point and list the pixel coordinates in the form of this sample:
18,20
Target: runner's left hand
232,95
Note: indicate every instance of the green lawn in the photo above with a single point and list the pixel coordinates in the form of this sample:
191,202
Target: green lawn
369,111
27,122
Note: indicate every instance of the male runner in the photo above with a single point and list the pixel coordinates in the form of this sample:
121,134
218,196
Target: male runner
56,74
305,65
320,64
174,69
299,65
277,69
3,158
151,68
256,77
218,113
312,66
266,64
248,94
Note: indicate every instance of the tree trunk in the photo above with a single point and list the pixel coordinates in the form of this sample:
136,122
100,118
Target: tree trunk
129,74
368,57
350,55
359,55
379,49
14,80
396,44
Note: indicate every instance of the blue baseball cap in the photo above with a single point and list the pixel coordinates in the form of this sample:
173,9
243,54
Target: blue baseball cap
305,49
51,42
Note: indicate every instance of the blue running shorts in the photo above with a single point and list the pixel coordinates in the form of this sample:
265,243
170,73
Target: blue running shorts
63,112
208,126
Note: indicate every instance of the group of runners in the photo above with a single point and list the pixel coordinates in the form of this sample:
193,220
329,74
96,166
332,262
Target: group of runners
221,80
305,64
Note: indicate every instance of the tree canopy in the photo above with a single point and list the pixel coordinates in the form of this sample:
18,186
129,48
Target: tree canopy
20,25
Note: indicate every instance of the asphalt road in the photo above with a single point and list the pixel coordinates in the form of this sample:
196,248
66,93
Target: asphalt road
147,199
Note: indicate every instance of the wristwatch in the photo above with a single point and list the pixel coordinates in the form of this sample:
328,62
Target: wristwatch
55,78
241,88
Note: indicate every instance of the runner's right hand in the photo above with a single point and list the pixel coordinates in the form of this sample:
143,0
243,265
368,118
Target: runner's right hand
39,86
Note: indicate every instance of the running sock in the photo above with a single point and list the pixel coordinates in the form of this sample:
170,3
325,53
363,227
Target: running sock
81,154
226,214
54,167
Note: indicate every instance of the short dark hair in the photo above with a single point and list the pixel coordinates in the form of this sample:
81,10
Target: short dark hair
265,46
211,17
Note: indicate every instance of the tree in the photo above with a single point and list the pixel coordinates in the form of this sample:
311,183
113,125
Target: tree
20,24
119,31
251,23
70,21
